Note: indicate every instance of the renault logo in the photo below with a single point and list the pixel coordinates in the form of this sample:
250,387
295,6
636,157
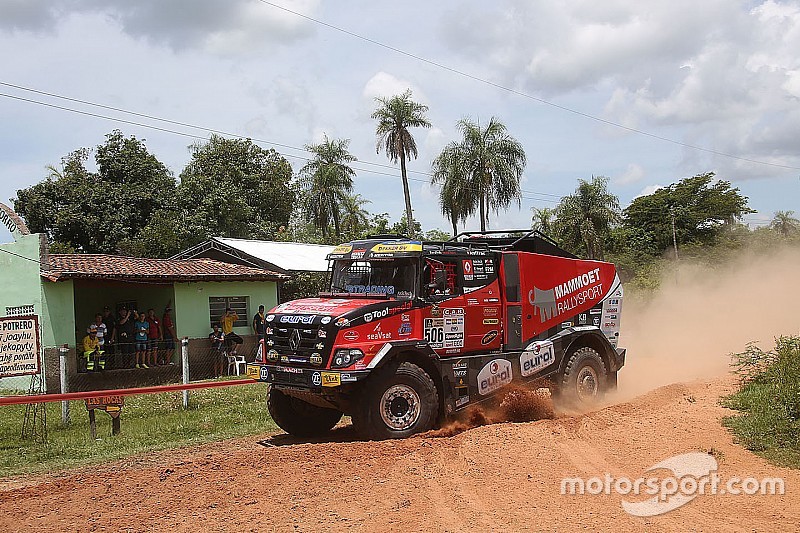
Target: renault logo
294,340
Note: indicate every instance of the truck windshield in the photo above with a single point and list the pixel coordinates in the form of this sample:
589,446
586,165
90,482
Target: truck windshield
396,278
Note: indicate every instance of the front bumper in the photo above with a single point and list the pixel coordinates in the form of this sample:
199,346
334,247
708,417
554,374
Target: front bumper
303,378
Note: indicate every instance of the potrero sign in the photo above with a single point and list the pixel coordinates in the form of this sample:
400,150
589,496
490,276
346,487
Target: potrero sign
19,346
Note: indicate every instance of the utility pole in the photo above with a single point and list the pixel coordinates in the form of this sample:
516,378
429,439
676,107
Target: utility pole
674,238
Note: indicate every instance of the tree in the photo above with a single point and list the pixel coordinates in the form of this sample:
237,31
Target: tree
325,182
355,219
485,167
234,188
95,212
395,116
542,220
699,209
784,223
584,218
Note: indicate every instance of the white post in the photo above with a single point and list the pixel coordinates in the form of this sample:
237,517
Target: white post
62,352
185,364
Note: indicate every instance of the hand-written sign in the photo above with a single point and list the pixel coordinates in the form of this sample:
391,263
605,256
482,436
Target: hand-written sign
19,346
110,404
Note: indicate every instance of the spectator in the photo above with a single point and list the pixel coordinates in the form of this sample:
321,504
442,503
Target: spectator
259,322
231,338
99,329
153,335
142,328
126,333
95,357
168,330
217,339
111,336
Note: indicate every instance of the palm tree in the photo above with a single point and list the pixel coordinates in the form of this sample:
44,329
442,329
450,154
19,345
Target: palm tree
542,220
784,223
456,197
395,115
487,165
325,182
354,217
587,215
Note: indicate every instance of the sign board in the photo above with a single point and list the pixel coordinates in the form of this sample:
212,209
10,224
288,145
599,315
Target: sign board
110,404
19,346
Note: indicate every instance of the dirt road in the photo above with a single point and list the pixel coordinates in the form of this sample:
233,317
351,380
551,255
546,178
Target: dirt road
502,477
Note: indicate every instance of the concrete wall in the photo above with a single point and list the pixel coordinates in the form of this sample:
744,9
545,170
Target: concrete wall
20,284
192,308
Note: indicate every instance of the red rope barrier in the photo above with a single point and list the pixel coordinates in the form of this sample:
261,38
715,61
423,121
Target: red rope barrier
42,398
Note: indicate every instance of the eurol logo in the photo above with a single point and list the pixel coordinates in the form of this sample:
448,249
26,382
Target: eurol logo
493,375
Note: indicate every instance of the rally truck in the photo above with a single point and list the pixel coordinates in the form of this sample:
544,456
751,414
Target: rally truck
410,333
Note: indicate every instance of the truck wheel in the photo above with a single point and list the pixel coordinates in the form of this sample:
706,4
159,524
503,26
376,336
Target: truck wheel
399,400
585,378
300,418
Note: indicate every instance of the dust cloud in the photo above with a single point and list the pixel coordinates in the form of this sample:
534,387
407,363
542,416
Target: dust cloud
700,315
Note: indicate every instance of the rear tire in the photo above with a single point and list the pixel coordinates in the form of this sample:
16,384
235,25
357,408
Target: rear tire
585,379
398,401
300,418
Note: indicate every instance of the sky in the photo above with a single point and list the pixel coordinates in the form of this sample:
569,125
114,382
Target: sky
643,92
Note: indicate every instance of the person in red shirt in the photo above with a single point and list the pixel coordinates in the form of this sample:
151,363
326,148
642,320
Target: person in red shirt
168,331
153,336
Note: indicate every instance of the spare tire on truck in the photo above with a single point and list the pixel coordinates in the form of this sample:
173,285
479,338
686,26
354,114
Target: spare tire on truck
398,400
298,417
585,379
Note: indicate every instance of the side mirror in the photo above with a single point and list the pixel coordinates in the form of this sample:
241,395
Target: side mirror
439,281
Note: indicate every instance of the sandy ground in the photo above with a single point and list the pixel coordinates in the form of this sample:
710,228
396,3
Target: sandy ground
501,477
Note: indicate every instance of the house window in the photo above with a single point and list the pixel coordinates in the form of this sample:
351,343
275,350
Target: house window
218,304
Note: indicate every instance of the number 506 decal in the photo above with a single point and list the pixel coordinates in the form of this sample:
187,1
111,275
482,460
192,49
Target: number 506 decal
434,332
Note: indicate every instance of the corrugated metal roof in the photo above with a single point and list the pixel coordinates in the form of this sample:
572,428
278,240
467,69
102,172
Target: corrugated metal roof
293,256
116,267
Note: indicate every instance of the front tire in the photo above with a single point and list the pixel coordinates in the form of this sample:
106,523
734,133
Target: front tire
398,401
585,379
300,418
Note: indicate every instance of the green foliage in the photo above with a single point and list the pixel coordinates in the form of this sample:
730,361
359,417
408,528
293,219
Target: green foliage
784,223
149,423
482,172
769,400
93,212
701,210
304,285
234,188
584,219
325,183
395,116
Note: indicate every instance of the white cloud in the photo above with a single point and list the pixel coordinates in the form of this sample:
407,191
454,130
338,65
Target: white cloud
384,85
650,189
632,174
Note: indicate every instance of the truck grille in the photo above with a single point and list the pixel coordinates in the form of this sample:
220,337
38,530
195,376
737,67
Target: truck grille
300,343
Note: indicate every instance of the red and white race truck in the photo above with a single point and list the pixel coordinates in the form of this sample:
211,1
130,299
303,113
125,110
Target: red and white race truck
412,332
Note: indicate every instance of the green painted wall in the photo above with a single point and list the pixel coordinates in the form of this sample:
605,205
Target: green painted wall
192,309
20,284
59,313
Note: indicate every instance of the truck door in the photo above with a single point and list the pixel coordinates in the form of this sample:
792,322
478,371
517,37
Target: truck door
512,305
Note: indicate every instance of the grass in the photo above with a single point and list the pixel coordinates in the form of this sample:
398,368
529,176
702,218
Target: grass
769,402
149,422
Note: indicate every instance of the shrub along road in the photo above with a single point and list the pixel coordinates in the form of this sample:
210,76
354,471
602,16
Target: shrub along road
496,477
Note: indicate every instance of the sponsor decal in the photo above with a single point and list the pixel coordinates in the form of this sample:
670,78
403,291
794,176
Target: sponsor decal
358,254
325,320
460,373
566,296
491,321
348,378
374,315
316,379
360,365
462,400
342,249
453,350
466,265
263,373
613,302
298,359
491,300
489,337
566,325
351,335
493,375
331,379
297,319
405,329
289,369
612,317
472,301
270,318
315,359
537,355
284,359
490,311
595,311
370,289
342,322
612,310
392,248
435,310
405,317
378,335
460,365
596,321
609,325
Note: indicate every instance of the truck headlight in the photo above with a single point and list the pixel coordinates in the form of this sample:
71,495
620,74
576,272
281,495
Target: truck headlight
346,357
